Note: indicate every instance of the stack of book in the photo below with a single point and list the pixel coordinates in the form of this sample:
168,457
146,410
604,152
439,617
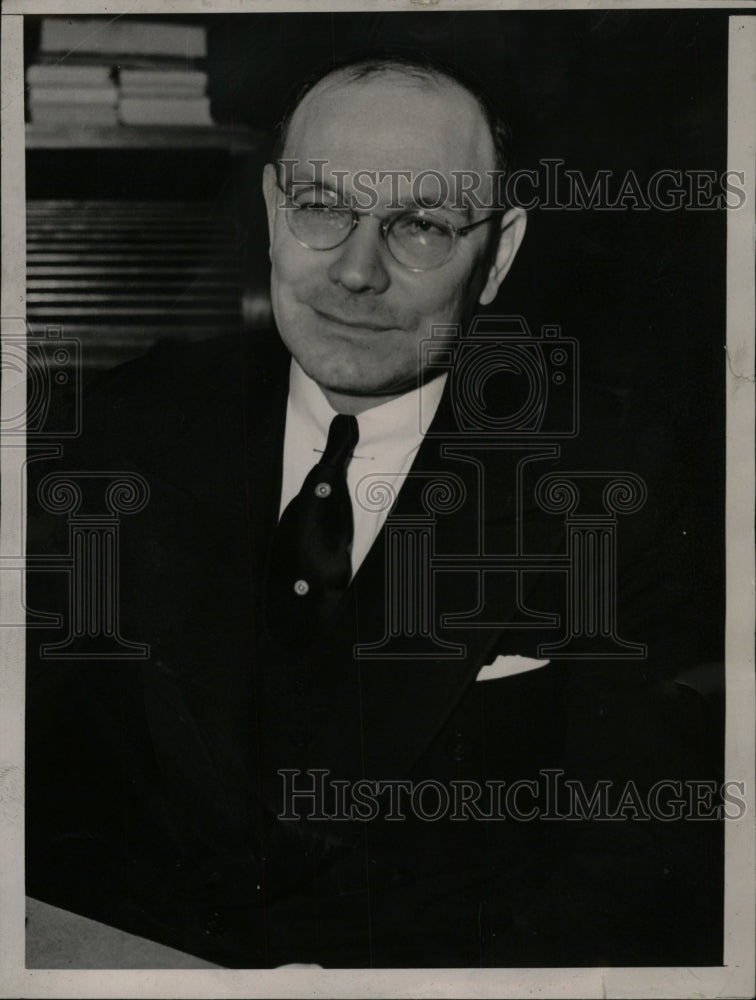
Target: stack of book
164,96
157,65
72,95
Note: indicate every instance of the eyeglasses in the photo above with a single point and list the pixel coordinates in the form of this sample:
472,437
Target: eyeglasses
416,239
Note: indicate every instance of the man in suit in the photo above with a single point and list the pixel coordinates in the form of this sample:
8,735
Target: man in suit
343,683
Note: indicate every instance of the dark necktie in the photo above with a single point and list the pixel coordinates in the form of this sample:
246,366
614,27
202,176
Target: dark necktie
311,565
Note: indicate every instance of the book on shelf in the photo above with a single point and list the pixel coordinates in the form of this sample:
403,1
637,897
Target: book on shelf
67,75
73,114
168,92
160,78
117,61
165,111
66,104
107,95
105,36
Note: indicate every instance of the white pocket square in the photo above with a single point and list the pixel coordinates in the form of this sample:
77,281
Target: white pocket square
507,666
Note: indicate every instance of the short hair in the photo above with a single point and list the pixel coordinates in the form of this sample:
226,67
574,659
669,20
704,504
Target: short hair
413,65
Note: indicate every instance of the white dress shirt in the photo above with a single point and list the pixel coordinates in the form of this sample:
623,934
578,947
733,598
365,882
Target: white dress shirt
390,435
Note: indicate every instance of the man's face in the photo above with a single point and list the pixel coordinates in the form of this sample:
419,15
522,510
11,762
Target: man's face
352,316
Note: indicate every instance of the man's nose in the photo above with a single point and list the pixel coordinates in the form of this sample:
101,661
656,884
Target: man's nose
360,264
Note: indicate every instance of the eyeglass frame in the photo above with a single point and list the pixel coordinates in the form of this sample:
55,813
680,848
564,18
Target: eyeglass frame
385,227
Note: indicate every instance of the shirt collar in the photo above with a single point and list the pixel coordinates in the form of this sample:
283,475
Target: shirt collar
399,424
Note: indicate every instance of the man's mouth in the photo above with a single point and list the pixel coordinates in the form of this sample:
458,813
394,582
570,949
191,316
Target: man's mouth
354,323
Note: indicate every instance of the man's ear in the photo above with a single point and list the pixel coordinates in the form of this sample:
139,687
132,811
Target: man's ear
511,232
271,193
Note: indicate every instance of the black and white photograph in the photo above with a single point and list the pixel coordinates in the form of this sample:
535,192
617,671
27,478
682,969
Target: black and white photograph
377,552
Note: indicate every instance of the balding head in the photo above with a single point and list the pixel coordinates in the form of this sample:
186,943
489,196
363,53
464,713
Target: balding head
424,72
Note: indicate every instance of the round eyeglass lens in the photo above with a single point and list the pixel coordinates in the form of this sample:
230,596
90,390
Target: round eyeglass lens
321,227
419,242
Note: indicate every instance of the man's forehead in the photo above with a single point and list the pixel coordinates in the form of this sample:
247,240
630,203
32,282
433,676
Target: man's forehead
391,121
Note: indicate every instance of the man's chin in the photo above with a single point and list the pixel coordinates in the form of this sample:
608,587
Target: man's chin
350,388
369,378
354,395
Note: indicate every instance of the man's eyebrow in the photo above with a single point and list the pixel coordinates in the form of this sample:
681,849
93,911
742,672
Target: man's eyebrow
433,204
311,182
308,183
307,180
407,203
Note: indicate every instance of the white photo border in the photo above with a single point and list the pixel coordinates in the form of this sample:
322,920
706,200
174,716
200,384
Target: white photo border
736,977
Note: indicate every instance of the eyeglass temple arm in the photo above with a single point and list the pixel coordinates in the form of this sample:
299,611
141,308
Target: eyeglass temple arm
473,225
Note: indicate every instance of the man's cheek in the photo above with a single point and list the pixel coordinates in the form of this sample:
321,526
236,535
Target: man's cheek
298,282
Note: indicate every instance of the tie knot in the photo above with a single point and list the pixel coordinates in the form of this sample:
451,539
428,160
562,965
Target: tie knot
343,435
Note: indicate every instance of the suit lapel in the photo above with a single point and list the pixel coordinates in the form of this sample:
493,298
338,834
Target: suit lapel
410,678
265,392
458,501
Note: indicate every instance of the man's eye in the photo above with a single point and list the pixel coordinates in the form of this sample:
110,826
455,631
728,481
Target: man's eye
421,226
317,206
314,200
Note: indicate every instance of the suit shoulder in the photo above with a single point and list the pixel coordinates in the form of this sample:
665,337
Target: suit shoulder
178,389
175,371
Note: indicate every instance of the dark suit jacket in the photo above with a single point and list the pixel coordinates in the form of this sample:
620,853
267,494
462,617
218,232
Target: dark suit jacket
153,787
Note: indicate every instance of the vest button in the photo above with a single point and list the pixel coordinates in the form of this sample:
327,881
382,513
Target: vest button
458,747
322,490
301,587
213,924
